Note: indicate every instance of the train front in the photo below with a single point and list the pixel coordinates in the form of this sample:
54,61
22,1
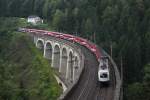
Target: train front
103,70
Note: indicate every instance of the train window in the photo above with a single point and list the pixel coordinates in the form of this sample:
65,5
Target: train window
104,75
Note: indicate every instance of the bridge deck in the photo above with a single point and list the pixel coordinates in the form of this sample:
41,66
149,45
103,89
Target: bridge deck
87,88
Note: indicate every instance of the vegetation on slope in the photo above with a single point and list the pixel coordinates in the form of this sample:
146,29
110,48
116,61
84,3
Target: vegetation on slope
122,24
24,73
140,90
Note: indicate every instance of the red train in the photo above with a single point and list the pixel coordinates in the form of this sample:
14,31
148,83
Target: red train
92,47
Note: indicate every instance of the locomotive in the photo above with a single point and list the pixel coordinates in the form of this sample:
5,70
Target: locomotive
103,70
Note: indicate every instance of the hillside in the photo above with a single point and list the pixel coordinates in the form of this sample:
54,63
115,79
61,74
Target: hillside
24,73
122,26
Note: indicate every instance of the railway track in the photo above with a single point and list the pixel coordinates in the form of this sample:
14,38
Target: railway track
87,88
106,92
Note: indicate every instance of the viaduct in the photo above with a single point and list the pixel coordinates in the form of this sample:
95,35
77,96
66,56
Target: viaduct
63,57
76,67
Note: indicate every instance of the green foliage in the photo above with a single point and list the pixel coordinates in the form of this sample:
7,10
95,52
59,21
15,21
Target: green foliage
24,74
57,21
88,26
135,92
147,74
140,91
124,24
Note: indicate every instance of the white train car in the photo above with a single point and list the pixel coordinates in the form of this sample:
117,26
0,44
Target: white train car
103,70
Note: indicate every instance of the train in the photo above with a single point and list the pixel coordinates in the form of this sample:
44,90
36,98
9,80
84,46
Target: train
103,69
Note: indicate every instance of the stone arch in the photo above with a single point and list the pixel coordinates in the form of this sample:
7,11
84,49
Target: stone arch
75,66
48,50
56,56
70,66
76,61
40,45
63,62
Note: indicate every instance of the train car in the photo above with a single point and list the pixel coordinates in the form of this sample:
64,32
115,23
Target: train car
103,71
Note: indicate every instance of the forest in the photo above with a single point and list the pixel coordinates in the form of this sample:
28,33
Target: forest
123,25
24,74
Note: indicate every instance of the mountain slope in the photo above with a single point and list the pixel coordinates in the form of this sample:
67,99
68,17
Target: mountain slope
24,73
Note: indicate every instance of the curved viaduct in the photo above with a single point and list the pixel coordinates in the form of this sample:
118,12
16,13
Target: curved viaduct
63,57
77,67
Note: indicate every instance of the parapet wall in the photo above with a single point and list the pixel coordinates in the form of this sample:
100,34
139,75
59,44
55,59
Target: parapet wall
118,79
74,84
67,87
77,49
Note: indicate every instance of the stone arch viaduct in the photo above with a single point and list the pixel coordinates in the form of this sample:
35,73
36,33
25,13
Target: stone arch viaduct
68,59
63,57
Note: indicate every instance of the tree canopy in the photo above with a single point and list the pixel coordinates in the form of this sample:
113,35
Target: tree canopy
122,24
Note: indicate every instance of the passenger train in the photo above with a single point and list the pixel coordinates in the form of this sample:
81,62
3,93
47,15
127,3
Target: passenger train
103,70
